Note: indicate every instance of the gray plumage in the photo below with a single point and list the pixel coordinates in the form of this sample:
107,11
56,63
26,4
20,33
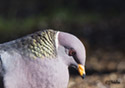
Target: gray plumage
40,60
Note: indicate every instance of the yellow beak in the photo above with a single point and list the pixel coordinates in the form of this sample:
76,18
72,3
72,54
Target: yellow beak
81,70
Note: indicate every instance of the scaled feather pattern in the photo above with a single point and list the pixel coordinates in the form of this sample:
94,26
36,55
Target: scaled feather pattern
40,44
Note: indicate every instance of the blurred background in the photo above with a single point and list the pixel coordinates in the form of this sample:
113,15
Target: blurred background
100,24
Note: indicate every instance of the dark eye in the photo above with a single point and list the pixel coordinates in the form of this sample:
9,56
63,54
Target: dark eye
72,52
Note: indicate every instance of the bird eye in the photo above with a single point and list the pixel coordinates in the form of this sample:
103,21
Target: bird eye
72,52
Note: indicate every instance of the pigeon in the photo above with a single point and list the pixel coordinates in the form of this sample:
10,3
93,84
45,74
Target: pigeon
41,60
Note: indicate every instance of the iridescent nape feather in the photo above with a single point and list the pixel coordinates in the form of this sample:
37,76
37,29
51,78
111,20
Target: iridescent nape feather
41,44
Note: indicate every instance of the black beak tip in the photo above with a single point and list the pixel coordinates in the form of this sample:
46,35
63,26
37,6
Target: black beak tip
83,76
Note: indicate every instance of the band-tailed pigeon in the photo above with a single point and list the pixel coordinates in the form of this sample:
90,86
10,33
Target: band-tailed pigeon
41,60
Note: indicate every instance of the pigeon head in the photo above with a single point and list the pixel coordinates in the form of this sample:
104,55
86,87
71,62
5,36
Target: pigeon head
73,51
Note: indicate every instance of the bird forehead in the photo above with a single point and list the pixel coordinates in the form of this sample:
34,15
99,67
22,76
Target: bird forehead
70,41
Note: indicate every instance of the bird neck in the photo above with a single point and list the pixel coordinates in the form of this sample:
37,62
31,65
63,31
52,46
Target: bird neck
41,44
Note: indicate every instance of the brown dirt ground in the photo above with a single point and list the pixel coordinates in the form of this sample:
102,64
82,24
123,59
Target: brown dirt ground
112,80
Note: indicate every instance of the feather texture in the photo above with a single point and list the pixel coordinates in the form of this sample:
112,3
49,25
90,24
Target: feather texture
40,44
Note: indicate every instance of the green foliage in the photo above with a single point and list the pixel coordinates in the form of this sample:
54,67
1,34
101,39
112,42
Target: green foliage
17,24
